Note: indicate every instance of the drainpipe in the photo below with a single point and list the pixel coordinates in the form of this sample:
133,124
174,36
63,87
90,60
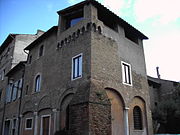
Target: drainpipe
20,100
126,123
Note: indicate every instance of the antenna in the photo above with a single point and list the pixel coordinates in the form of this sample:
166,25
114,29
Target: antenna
158,75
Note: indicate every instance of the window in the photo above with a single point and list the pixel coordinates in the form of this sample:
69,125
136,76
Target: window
14,91
27,88
7,127
14,127
75,21
30,59
37,83
77,67
137,116
73,18
3,74
41,51
19,84
126,73
28,124
45,125
9,93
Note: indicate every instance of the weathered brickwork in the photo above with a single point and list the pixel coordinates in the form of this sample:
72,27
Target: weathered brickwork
98,102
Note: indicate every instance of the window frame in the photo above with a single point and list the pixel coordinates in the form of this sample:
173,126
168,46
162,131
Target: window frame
80,66
127,81
30,118
41,126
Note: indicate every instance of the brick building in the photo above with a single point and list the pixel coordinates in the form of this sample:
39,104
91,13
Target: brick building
11,53
85,76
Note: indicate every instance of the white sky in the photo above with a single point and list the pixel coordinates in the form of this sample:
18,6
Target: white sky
160,21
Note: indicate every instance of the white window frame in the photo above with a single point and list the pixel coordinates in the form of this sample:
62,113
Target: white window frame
30,118
129,74
41,130
72,71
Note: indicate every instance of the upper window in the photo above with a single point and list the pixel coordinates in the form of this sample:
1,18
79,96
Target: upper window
29,59
73,18
137,116
41,51
37,83
77,67
28,124
126,73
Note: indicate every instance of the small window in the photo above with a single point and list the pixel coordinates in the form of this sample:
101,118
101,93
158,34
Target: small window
137,116
77,67
28,124
30,59
126,73
41,51
27,89
37,83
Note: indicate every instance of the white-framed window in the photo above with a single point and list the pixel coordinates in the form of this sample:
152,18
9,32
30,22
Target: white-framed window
126,73
77,67
28,123
45,125
37,83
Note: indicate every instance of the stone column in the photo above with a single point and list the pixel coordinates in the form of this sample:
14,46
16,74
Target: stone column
55,113
126,123
35,123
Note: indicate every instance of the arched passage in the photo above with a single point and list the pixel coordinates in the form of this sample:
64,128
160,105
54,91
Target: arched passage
64,112
117,117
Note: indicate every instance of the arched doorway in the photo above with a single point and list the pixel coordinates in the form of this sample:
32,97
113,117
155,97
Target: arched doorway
117,117
64,112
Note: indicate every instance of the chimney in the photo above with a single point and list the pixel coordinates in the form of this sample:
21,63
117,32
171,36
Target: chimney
157,70
39,32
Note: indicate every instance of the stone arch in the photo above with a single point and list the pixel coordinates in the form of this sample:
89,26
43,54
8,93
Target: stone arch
139,102
64,111
45,102
99,30
117,111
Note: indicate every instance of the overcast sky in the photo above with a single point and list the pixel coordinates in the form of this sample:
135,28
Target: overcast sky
157,19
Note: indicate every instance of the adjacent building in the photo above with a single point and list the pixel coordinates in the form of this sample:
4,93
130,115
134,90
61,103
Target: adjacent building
85,76
11,53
